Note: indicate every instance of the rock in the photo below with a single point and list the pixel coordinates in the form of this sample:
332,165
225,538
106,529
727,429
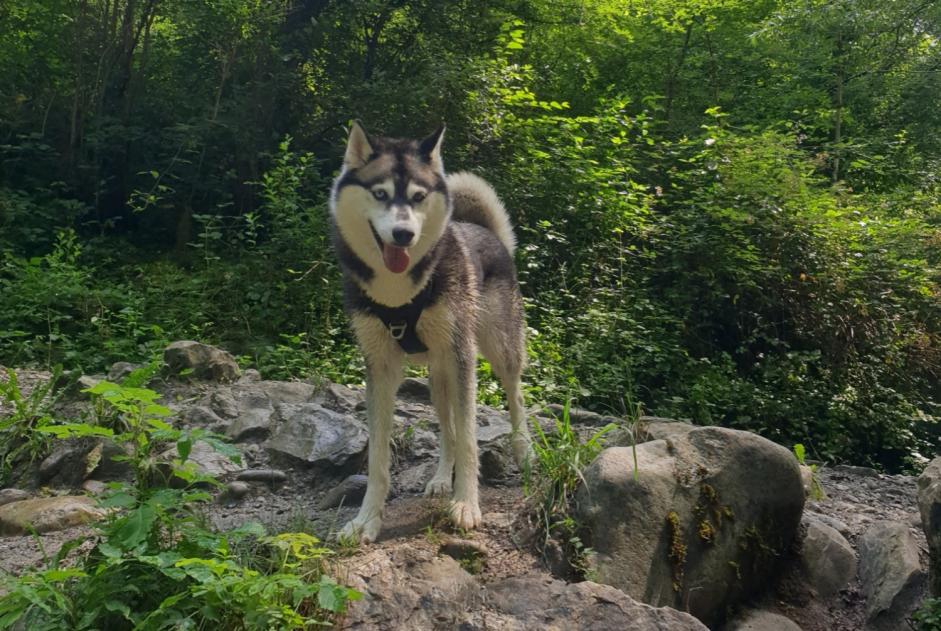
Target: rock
8,496
658,428
492,426
120,370
94,487
234,491
890,575
807,479
470,552
312,435
493,466
929,506
250,375
223,403
577,416
272,476
206,362
413,479
349,492
757,620
203,415
827,559
415,388
703,525
409,588
252,418
71,461
206,460
48,514
526,603
339,398
865,472
87,382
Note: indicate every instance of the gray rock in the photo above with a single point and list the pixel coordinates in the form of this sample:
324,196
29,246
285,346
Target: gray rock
704,524
415,388
526,603
929,507
414,479
94,487
252,418
203,415
757,620
203,361
206,461
310,434
463,549
658,428
863,472
250,375
890,575
223,403
827,559
339,398
837,524
71,461
120,370
493,465
349,492
8,496
408,588
577,416
235,491
272,476
48,514
492,426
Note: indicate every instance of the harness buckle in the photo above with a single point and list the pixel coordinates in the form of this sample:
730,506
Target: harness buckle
397,329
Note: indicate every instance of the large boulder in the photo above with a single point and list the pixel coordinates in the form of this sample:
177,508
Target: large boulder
700,527
929,505
202,361
309,434
890,575
412,588
48,514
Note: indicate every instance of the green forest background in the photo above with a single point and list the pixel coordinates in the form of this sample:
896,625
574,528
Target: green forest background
728,210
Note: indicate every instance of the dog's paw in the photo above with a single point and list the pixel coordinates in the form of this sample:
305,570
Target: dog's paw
465,515
438,487
522,452
360,531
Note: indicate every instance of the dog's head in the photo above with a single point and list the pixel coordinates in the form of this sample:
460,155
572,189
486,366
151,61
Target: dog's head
390,201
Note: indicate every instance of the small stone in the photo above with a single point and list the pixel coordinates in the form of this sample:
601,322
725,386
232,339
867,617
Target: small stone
250,375
577,416
863,472
262,475
349,492
223,403
463,549
890,575
48,514
415,388
94,487
339,398
8,496
827,558
492,465
235,491
756,620
120,370
201,360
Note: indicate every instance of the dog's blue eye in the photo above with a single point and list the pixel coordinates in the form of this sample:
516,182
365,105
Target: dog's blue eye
380,194
417,197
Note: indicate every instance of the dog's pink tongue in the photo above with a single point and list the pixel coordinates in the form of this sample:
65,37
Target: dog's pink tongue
395,258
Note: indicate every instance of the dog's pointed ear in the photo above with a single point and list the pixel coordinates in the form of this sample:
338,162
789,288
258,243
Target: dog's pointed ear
358,147
430,147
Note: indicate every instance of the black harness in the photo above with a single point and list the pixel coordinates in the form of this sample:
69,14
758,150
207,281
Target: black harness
402,320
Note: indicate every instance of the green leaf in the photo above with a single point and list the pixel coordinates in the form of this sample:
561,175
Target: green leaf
136,527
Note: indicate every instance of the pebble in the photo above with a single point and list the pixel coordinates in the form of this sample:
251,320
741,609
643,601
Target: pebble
262,475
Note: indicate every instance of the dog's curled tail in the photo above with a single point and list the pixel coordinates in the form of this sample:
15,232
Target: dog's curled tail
474,201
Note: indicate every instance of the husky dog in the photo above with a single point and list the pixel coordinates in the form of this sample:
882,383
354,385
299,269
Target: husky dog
429,277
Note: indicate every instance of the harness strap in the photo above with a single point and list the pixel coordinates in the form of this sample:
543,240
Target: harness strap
401,321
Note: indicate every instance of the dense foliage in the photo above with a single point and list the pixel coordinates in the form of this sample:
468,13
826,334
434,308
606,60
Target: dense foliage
728,210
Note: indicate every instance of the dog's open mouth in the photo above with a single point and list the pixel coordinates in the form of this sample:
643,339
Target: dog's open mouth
395,258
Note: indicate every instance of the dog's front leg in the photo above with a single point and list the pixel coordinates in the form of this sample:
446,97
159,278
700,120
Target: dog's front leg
382,382
465,509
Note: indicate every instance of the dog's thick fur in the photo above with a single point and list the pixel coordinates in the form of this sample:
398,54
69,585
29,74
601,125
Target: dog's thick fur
405,232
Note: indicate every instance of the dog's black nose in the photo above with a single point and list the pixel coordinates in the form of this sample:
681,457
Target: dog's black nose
402,236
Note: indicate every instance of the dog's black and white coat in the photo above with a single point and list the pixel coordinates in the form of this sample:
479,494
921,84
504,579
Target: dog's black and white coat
429,277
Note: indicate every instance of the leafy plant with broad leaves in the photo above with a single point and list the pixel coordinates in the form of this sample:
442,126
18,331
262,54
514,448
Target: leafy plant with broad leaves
154,564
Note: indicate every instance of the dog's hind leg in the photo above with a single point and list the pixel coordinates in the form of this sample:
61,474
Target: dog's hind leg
520,441
440,483
383,379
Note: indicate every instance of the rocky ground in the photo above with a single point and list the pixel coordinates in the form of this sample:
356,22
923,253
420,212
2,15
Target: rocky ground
858,560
